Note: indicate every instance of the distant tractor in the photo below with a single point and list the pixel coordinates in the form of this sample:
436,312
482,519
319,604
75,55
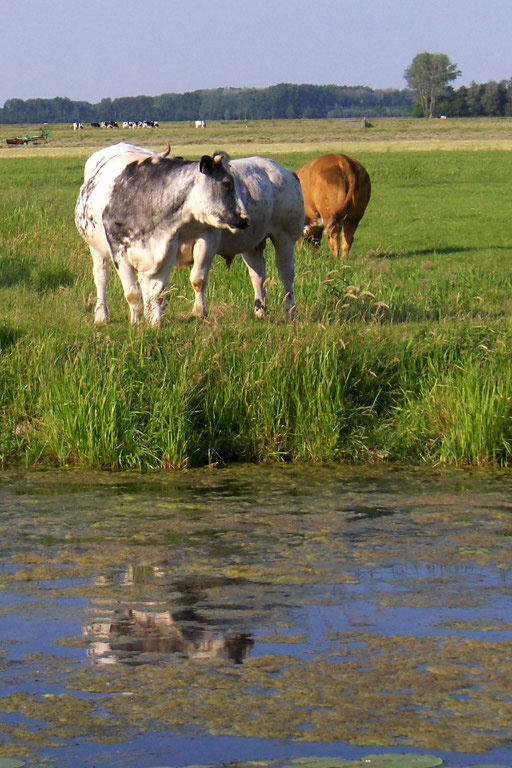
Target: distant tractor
41,138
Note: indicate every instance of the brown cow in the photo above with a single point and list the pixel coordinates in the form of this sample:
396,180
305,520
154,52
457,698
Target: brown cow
336,191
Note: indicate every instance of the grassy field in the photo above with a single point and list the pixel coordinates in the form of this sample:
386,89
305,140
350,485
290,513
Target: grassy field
401,354
275,136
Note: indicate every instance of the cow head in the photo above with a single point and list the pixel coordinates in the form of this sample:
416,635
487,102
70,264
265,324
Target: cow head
221,204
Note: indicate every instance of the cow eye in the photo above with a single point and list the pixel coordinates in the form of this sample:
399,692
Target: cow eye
228,183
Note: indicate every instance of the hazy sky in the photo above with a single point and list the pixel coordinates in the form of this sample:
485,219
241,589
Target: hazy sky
95,49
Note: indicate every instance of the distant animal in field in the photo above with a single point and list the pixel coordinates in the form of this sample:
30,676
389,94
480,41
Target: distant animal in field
78,126
149,213
336,191
138,208
200,123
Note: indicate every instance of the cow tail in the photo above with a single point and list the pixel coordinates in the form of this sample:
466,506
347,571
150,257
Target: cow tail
337,219
352,181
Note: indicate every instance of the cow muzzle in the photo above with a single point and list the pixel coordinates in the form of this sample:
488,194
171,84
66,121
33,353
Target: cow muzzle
243,222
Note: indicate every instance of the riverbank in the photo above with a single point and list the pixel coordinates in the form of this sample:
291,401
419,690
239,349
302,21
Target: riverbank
402,354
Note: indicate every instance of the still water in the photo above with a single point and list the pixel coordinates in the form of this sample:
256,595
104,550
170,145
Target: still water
255,614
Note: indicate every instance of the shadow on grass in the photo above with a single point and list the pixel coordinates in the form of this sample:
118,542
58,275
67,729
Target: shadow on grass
42,277
389,253
13,272
8,336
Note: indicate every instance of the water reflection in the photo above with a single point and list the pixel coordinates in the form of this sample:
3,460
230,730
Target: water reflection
363,602
130,636
143,634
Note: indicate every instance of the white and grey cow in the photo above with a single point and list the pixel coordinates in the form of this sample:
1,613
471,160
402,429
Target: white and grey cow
132,207
272,197
137,208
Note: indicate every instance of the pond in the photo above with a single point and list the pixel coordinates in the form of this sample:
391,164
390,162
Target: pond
255,614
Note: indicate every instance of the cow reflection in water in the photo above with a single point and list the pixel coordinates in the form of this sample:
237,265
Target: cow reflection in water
140,632
126,635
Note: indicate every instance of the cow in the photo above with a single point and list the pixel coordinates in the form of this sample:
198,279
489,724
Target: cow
273,200
200,123
137,207
95,125
77,126
150,212
336,191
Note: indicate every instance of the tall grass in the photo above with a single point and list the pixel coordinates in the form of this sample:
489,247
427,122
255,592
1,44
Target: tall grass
401,354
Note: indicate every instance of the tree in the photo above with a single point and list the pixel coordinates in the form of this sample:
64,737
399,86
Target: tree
493,98
428,75
508,101
474,99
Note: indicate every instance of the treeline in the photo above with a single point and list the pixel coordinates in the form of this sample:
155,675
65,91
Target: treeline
275,102
490,99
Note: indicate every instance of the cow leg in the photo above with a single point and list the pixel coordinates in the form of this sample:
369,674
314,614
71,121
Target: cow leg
153,292
153,288
333,235
153,280
257,268
349,228
100,270
285,262
131,288
203,255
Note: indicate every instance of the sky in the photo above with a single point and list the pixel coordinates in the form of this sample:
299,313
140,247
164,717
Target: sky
88,50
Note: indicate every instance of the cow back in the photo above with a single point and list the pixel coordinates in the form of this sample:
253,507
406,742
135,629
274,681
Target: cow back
334,185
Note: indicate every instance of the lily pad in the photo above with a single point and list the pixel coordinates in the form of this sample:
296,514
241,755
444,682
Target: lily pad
320,762
398,760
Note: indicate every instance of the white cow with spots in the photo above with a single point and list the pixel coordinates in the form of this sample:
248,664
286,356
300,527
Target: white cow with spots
137,208
150,213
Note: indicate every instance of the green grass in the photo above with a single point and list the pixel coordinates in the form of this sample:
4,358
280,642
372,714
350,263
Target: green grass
401,354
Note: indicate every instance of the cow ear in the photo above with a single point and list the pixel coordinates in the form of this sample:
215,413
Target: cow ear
205,164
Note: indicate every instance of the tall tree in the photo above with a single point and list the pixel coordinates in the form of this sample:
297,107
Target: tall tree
428,75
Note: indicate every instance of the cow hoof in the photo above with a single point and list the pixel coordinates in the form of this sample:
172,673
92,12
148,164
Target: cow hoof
260,310
290,308
101,317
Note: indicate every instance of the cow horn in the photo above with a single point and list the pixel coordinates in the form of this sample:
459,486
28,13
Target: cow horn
221,157
166,152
